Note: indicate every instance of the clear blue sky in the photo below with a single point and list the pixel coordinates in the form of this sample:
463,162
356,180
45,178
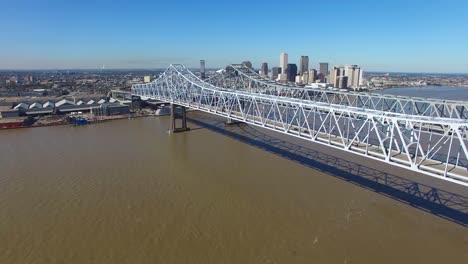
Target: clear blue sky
390,35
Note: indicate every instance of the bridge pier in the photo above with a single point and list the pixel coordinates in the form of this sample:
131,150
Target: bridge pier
182,116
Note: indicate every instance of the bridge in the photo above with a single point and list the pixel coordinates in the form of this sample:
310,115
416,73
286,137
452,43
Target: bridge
428,136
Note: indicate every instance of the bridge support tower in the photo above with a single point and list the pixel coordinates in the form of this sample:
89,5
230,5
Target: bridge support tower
175,116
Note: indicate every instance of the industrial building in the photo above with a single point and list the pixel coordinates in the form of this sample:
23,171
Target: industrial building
64,106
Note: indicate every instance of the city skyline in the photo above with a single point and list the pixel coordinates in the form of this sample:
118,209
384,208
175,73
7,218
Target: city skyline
388,37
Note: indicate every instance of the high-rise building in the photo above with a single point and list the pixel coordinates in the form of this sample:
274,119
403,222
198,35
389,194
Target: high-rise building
335,73
291,72
283,61
247,64
361,80
147,79
202,69
323,69
284,67
352,73
274,73
304,65
305,77
342,82
312,76
264,69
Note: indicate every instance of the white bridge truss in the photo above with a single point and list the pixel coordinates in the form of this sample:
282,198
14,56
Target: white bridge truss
431,138
239,77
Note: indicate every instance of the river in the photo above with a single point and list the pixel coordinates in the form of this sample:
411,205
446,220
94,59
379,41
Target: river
439,92
128,192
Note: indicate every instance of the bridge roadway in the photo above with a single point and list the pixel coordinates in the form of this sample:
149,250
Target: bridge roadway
431,142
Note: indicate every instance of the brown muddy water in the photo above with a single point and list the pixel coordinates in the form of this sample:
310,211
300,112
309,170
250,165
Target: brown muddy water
128,192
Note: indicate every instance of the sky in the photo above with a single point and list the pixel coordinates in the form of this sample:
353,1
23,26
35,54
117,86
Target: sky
385,35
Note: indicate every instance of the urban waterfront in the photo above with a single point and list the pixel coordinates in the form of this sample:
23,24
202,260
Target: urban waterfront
126,191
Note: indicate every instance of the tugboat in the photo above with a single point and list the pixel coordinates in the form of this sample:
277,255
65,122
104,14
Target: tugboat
78,121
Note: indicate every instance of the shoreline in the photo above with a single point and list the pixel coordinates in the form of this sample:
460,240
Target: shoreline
64,123
422,86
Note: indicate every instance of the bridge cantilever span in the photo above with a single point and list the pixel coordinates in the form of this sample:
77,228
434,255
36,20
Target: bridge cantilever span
240,77
426,142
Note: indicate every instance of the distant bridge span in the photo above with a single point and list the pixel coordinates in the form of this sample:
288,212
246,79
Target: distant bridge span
424,135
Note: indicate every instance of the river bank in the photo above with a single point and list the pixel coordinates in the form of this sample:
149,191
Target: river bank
48,121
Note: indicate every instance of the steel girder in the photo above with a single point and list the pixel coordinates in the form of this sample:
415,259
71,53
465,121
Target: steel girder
239,77
434,146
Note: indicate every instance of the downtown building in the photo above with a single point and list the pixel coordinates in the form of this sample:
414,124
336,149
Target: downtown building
323,71
348,76
312,76
291,72
282,76
264,69
202,69
303,65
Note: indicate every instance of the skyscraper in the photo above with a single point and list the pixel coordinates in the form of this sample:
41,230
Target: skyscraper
202,69
352,73
291,72
361,79
323,69
283,61
304,65
342,82
335,73
264,69
284,65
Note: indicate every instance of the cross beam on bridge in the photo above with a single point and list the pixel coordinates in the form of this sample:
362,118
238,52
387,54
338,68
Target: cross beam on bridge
429,142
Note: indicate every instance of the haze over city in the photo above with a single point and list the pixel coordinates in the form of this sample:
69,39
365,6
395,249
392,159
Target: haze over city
411,36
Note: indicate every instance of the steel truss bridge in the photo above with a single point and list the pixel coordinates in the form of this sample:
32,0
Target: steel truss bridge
428,136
